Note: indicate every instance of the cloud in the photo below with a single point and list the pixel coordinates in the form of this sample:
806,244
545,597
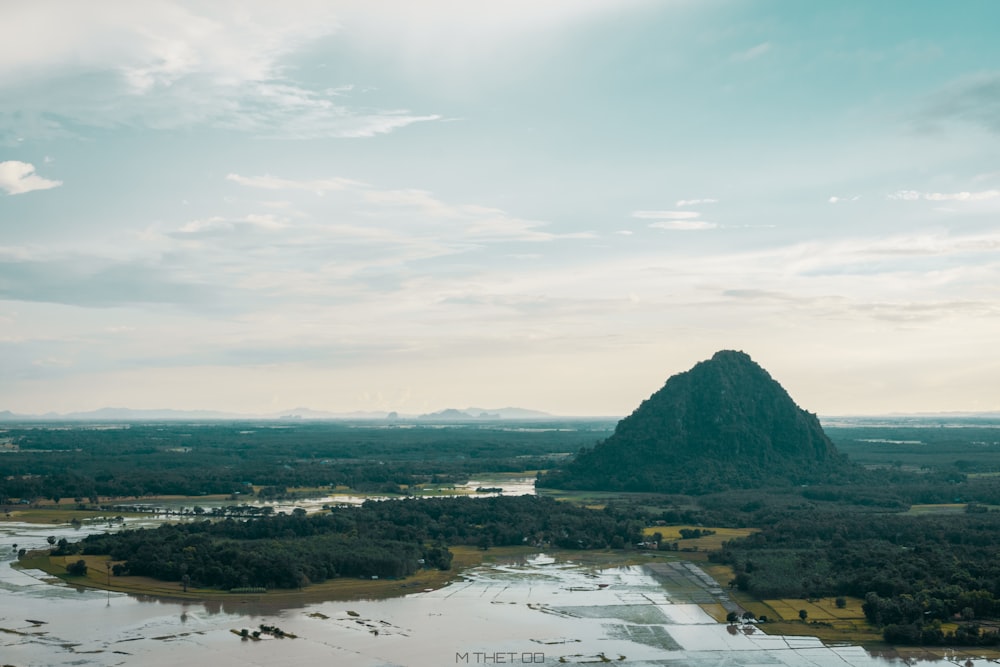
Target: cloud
218,225
318,186
760,294
166,65
82,280
753,52
836,200
19,177
914,195
664,215
695,202
683,225
418,213
972,100
675,220
456,37
962,196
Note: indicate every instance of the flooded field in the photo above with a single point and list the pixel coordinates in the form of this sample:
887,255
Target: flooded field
536,611
496,484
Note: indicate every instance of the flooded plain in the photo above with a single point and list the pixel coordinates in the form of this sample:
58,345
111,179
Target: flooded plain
535,611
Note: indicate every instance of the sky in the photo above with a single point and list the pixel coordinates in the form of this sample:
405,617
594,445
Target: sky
250,206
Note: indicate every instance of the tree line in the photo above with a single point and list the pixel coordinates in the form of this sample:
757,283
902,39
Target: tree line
915,573
377,539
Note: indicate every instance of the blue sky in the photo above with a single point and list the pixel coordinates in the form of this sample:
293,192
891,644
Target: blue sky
390,205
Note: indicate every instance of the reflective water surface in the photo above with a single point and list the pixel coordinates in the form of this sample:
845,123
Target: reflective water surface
532,612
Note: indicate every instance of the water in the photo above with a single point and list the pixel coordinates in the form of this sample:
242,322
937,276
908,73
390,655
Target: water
508,485
537,611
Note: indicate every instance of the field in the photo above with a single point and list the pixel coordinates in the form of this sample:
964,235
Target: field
943,508
705,543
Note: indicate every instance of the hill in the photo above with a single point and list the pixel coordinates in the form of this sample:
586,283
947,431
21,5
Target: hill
723,424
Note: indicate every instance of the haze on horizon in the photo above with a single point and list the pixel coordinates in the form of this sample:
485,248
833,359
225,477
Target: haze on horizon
248,206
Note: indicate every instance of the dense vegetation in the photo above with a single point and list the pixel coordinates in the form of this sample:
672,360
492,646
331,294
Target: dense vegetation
723,424
914,572
383,539
963,445
86,460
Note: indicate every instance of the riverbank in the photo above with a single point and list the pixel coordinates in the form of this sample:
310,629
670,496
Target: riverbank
464,558
98,577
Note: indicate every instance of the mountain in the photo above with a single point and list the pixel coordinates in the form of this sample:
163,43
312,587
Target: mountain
309,413
453,415
471,414
122,414
723,424
130,414
510,413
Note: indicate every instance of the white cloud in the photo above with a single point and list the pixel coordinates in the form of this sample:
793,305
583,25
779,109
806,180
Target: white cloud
962,196
665,215
914,195
695,202
753,52
19,177
156,43
456,36
836,200
675,220
683,225
164,64
418,212
220,225
319,186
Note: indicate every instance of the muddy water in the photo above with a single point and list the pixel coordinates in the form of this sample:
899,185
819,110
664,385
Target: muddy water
532,612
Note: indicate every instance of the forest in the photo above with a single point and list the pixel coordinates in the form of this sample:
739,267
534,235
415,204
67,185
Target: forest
386,539
170,458
915,573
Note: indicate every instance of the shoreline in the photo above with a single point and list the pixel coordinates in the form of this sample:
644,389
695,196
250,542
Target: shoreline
466,558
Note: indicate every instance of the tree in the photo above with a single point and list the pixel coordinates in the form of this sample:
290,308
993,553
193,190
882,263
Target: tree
803,614
77,569
841,602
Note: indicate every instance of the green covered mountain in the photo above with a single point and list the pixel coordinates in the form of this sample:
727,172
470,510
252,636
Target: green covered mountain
723,424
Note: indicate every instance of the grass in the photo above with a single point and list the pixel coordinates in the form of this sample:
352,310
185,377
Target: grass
824,620
942,508
57,515
706,543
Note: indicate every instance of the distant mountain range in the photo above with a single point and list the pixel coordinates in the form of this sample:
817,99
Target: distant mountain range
449,415
130,414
